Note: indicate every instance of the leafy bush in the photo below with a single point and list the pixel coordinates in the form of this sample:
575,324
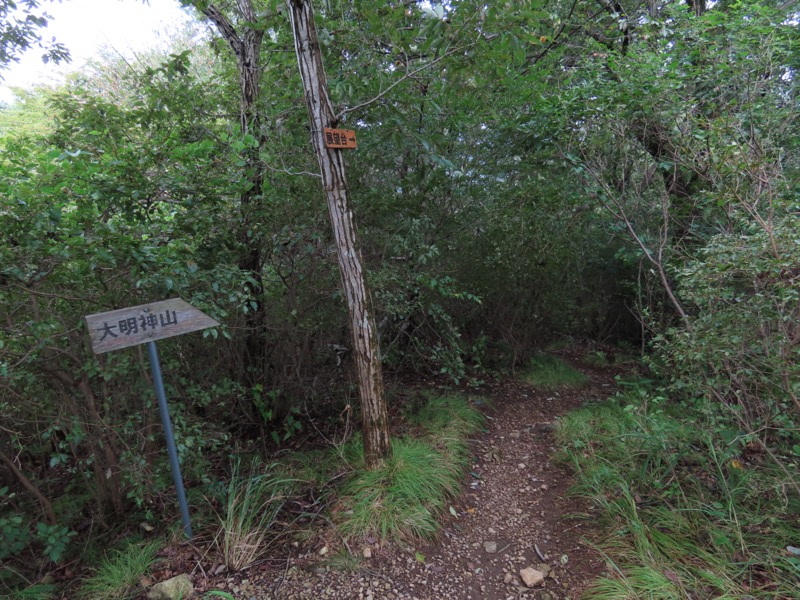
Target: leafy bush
741,349
55,539
14,535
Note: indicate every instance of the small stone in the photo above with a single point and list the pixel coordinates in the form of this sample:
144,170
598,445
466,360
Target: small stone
508,578
179,587
367,552
531,577
490,547
323,551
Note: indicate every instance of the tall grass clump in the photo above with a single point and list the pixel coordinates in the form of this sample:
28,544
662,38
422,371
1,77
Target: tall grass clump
687,508
548,371
30,591
404,498
253,500
117,577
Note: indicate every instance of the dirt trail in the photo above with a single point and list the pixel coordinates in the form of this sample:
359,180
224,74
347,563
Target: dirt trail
514,514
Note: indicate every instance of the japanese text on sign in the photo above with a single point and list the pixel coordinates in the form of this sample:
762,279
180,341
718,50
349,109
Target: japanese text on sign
145,323
340,138
131,325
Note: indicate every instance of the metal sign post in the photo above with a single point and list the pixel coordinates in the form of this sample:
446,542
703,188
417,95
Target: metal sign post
158,382
145,324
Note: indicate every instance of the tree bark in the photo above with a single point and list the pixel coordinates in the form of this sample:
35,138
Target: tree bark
375,422
246,47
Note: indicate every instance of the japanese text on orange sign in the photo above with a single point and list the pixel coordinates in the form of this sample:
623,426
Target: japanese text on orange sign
340,138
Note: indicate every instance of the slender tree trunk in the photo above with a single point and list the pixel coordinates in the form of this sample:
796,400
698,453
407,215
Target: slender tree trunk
375,422
246,46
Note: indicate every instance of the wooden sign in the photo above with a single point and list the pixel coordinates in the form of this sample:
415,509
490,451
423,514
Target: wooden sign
340,138
125,327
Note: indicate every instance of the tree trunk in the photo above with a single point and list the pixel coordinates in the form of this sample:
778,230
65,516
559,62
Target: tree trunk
246,47
375,422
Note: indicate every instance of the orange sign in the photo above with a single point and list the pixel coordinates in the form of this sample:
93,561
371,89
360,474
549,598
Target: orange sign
340,138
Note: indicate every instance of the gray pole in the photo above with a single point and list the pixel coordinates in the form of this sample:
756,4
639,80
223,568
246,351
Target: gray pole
171,449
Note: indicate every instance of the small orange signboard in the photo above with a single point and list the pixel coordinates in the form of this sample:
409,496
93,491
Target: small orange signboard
340,138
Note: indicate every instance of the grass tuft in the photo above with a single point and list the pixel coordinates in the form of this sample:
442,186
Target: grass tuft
684,516
404,498
454,414
117,577
35,591
253,502
547,371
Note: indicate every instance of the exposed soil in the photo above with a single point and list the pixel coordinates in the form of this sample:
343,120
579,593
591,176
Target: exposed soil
514,513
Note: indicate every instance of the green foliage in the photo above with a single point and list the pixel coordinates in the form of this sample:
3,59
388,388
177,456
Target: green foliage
117,576
683,508
535,171
404,498
14,531
20,25
740,349
28,116
28,591
55,539
453,414
343,561
13,535
254,498
548,371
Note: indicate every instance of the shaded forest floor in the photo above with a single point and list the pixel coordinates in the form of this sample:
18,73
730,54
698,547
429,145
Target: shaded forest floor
514,513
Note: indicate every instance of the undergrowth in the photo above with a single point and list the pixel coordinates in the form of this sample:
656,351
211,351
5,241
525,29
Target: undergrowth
690,509
548,371
117,577
404,498
254,498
